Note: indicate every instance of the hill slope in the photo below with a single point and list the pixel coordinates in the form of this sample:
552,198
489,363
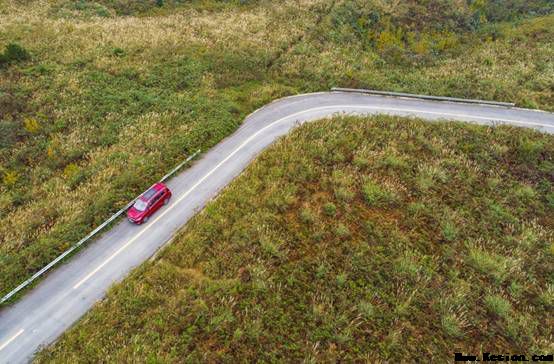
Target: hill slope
99,98
354,238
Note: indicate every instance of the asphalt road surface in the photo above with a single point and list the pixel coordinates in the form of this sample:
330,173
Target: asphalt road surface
67,293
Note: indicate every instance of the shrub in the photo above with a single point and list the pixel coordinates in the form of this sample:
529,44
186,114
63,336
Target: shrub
344,194
449,231
394,162
118,52
342,231
546,298
330,209
13,53
529,150
356,16
550,199
515,289
322,270
424,182
31,125
70,171
360,161
499,213
498,306
525,193
307,215
376,196
341,279
10,178
451,326
80,9
366,309
416,209
422,46
446,41
270,247
388,39
493,265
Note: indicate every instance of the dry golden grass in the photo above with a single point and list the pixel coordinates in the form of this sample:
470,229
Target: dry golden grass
149,39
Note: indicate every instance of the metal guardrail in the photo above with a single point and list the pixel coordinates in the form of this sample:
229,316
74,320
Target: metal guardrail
425,97
90,235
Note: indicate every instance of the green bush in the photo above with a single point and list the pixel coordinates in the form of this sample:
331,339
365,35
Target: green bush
344,194
375,195
529,150
13,53
449,231
498,306
330,209
546,298
307,216
366,309
342,231
451,325
550,199
492,265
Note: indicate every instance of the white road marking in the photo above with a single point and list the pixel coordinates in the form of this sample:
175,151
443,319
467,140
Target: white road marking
292,116
11,339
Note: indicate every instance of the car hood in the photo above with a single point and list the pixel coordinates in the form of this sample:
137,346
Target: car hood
134,213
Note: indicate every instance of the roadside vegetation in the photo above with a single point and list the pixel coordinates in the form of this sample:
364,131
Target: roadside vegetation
351,239
99,98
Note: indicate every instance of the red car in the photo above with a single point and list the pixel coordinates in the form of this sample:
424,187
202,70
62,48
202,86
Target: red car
148,203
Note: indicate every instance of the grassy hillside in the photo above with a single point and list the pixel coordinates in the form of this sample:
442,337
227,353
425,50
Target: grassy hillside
376,238
103,106
98,99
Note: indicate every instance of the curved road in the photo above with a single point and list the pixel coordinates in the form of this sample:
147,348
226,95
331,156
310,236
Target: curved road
55,304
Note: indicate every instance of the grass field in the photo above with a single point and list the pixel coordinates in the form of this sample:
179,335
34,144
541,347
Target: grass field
351,239
99,99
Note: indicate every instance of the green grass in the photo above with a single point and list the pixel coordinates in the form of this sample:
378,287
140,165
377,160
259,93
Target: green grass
377,196
251,280
99,98
499,306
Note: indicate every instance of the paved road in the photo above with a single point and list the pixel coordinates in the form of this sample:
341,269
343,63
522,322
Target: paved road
44,313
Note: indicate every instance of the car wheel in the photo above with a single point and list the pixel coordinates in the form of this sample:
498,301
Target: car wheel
166,201
145,220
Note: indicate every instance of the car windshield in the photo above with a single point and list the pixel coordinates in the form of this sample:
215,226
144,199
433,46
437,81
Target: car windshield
140,205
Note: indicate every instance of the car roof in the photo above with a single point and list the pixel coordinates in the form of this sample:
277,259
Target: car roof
151,192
